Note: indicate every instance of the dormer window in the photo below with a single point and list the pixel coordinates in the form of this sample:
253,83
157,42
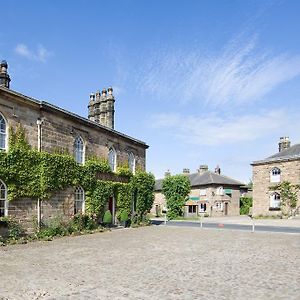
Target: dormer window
275,175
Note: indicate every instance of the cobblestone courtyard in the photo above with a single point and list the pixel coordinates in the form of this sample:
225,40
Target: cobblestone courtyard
154,263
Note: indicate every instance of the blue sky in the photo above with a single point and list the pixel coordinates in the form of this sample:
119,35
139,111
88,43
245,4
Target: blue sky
201,82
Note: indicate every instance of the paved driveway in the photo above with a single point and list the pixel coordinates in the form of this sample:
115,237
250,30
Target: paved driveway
154,262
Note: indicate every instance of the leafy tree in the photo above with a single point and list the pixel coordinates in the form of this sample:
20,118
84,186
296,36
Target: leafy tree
245,204
288,195
175,189
143,190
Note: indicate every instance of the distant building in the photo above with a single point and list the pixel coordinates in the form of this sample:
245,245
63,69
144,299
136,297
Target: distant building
282,166
211,193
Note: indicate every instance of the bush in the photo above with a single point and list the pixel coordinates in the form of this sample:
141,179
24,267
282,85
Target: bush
82,222
245,205
14,229
107,218
55,227
124,216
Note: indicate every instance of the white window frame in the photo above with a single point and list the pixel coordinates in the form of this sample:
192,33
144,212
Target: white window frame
220,191
202,207
5,200
79,197
275,200
202,192
275,174
131,162
112,159
79,152
219,206
3,133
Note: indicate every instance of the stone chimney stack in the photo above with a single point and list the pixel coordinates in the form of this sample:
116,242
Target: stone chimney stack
4,77
102,107
186,171
284,143
202,169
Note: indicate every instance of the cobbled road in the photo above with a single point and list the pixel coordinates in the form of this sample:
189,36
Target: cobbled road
156,262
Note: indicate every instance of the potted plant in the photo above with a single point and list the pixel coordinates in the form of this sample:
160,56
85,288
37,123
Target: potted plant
124,218
107,218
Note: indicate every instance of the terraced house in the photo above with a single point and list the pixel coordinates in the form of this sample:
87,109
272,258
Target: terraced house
211,193
52,129
281,166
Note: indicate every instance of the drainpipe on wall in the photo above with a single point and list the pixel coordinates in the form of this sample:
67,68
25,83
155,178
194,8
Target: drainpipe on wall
39,127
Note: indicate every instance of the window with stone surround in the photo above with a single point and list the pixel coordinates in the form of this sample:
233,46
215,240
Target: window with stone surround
3,199
79,202
220,191
79,150
275,201
202,192
131,162
112,159
3,133
275,175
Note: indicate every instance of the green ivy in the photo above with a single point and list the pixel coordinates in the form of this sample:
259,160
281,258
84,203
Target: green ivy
32,174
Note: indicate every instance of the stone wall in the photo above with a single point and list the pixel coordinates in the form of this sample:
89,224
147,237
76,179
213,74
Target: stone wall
290,171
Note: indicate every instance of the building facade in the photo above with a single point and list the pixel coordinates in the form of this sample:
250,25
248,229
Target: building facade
211,193
53,129
269,172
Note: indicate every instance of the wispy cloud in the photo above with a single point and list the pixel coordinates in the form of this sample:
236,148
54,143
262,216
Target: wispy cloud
41,54
214,130
239,73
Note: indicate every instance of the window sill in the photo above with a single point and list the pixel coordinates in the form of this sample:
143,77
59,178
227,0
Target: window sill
274,209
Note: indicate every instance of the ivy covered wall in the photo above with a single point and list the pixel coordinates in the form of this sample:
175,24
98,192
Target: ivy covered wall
32,174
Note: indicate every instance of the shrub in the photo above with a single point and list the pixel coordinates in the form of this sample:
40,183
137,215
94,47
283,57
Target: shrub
56,227
124,216
107,218
245,204
82,222
14,229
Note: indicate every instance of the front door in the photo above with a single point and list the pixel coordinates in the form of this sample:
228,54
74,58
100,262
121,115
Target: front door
226,209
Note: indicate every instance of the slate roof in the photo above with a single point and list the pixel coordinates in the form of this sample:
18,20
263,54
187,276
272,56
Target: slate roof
207,178
288,154
47,105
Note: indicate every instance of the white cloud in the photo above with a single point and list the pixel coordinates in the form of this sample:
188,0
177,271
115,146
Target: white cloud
41,54
240,73
214,130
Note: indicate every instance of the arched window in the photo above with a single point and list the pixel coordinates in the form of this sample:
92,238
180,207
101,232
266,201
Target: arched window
112,159
79,200
3,199
275,200
275,175
3,133
79,150
131,162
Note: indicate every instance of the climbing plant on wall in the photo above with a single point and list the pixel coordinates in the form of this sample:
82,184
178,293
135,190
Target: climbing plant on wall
32,174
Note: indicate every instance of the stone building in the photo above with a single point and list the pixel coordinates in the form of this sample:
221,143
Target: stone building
282,166
211,193
50,128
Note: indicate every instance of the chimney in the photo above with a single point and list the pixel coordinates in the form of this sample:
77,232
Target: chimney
186,171
4,77
202,169
167,173
101,107
217,170
284,143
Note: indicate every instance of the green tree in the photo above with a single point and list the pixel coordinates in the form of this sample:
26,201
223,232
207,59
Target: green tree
175,189
288,196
